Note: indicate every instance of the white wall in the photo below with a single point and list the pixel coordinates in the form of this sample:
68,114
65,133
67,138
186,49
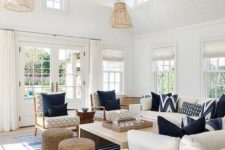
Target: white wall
82,20
188,40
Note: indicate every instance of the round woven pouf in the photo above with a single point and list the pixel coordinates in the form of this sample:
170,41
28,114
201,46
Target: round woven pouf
52,137
77,144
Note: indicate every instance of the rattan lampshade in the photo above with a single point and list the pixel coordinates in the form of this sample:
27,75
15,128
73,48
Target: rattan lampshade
19,5
120,17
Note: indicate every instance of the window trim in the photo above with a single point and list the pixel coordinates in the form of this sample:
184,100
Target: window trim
153,80
203,65
63,10
121,75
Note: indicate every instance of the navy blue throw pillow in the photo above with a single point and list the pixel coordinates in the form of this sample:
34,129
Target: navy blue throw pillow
106,96
220,109
168,103
113,105
52,99
208,109
170,129
198,126
156,101
211,125
57,110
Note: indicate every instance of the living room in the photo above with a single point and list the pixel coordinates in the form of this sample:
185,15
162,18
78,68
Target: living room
112,74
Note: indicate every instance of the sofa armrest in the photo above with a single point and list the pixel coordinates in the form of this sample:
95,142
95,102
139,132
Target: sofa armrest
140,140
146,104
213,140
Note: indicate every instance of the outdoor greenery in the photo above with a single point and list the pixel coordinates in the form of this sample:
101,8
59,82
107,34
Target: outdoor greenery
216,77
165,76
165,82
37,69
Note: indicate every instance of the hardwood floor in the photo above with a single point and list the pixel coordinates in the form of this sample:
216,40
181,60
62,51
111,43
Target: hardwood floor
18,131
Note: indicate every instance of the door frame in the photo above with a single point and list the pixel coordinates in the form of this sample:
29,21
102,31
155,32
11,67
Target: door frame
38,40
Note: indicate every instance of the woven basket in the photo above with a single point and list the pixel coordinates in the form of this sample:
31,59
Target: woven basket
77,144
52,137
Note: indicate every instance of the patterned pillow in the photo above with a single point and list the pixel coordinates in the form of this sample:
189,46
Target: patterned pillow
168,103
208,109
215,124
211,125
190,109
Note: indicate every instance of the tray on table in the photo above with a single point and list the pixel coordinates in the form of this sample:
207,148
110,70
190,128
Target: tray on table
136,125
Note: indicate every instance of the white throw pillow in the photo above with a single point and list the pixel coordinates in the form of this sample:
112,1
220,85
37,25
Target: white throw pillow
146,104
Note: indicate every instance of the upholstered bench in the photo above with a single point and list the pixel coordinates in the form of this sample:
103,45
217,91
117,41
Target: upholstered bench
77,144
52,137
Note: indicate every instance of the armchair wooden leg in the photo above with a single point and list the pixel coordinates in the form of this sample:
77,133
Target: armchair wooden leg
35,131
78,131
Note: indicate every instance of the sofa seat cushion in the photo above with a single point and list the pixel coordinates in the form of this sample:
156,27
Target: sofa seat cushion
176,118
140,140
59,122
110,115
203,142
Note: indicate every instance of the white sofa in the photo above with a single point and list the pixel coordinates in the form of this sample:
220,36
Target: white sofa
140,140
176,118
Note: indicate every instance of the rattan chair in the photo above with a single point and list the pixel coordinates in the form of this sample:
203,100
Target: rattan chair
42,122
102,114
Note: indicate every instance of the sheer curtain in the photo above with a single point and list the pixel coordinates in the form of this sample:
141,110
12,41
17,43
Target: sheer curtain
95,74
8,105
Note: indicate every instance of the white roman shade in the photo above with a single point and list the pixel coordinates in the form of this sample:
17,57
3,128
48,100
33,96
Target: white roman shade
113,55
163,53
214,48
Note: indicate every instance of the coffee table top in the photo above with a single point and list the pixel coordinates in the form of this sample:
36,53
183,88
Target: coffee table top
119,138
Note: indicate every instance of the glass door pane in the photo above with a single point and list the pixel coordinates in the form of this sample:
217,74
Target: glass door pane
70,73
36,71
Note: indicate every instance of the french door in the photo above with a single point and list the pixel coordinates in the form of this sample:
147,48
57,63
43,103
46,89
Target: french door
46,68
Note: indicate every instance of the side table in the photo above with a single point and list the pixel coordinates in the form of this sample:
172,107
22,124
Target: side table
86,117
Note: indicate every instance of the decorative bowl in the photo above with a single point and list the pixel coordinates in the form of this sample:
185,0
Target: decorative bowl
84,109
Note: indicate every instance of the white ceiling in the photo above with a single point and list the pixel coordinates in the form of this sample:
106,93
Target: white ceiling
160,15
150,17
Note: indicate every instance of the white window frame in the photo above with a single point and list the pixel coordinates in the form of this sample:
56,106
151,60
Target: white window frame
207,61
121,92
123,49
164,71
153,66
63,10
204,66
140,2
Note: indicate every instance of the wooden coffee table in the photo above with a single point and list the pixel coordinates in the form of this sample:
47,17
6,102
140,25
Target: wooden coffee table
103,136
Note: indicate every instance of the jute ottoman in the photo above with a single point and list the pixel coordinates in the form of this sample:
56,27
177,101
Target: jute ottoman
52,137
77,144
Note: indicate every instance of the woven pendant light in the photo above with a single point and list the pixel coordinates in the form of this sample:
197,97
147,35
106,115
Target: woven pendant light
120,17
19,5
